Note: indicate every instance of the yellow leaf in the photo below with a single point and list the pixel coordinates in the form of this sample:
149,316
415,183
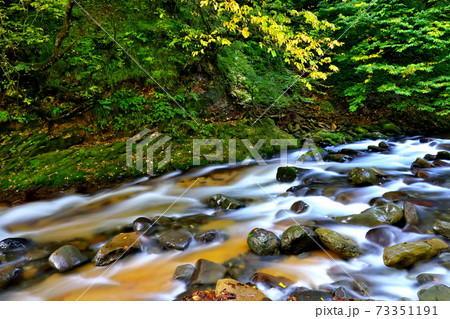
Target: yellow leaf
245,32
226,42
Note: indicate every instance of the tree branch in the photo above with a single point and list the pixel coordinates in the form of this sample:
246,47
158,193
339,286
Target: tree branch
57,52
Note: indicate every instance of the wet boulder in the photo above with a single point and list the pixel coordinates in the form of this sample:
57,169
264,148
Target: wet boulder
184,272
405,255
117,248
362,177
15,244
175,239
340,158
375,149
299,207
143,226
238,291
391,128
384,145
396,196
441,227
297,239
382,236
66,258
443,155
220,201
207,272
348,151
286,174
263,242
426,278
410,213
206,237
270,281
311,295
342,245
419,164
10,275
374,216
437,292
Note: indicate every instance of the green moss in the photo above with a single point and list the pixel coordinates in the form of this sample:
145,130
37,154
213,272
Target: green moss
39,160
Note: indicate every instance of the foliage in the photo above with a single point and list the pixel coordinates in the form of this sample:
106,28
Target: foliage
299,36
401,58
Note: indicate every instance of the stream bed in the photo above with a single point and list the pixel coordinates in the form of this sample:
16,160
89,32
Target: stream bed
88,222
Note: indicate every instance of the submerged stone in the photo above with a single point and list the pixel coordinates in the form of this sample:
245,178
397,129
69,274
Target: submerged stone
117,248
299,207
220,201
10,275
410,213
10,244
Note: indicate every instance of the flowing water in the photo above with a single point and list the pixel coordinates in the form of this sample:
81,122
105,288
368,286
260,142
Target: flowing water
149,276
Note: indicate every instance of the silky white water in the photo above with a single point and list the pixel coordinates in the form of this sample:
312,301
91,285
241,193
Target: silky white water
149,276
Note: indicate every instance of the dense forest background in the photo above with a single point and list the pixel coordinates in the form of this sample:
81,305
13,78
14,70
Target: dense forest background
103,70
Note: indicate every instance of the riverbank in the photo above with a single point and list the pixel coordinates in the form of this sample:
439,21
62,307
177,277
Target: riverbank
43,161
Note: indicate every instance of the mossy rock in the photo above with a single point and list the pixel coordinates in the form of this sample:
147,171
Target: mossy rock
362,177
437,292
374,216
286,174
220,201
342,245
391,128
263,242
405,255
297,239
